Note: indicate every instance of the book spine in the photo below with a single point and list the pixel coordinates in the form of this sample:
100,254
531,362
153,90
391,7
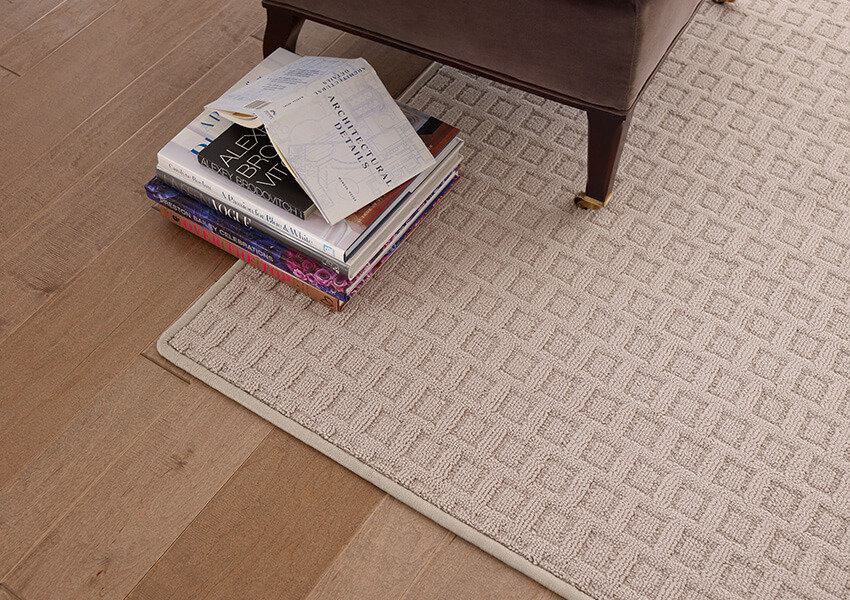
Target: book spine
255,261
246,220
227,198
221,170
393,244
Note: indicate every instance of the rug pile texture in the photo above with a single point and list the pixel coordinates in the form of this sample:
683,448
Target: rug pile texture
651,401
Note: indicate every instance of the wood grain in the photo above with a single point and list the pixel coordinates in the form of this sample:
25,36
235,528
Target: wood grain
7,594
60,360
384,557
79,74
49,32
6,76
269,533
40,260
128,518
27,192
20,14
51,484
461,570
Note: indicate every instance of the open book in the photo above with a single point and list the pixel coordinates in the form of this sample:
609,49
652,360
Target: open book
336,128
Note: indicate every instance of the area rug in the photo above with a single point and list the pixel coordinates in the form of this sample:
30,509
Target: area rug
651,401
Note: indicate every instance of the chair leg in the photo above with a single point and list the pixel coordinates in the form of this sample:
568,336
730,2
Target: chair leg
606,133
282,29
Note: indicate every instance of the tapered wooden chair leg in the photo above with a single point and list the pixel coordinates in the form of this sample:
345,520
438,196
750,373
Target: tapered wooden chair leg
606,134
282,29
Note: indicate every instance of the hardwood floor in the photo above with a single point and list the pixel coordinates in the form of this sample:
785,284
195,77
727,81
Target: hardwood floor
120,475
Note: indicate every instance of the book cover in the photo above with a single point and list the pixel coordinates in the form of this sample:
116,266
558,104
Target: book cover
247,157
250,222
336,128
331,301
287,265
178,158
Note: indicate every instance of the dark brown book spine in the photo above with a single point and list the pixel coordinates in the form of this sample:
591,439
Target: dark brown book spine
255,261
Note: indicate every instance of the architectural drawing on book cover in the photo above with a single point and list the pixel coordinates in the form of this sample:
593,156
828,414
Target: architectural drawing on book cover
336,128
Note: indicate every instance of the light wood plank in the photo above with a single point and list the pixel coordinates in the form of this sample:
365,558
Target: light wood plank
461,570
7,594
6,76
87,71
49,32
51,484
41,259
269,533
128,518
20,14
544,593
314,39
60,360
25,193
384,557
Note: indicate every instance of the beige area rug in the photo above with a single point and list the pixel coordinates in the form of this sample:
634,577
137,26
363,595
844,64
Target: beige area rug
647,402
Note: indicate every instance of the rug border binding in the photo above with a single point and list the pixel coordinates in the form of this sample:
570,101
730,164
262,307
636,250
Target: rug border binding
459,528
361,469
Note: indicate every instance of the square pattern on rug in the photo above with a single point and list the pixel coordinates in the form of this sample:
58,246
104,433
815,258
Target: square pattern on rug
648,402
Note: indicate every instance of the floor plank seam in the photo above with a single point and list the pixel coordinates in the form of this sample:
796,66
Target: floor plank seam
129,594
186,377
11,592
332,42
76,33
10,71
182,375
53,391
47,14
17,33
73,504
55,294
94,114
447,539
384,498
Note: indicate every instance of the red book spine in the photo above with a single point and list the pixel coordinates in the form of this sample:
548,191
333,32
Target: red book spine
255,261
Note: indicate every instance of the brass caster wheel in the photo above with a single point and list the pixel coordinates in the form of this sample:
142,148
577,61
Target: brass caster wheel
587,203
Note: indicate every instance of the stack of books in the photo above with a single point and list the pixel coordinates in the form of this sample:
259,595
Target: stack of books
309,171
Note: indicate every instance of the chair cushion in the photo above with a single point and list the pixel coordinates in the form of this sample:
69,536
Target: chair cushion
596,52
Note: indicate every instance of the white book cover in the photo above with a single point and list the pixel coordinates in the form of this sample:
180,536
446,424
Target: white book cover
336,128
179,157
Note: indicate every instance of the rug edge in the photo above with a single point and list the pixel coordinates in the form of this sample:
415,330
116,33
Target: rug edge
400,493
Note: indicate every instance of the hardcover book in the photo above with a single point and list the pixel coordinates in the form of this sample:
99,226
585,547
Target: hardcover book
247,157
335,127
248,221
287,265
344,244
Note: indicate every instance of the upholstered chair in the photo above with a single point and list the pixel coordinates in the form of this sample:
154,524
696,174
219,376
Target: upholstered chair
595,55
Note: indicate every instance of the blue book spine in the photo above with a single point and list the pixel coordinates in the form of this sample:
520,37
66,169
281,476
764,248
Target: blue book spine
270,250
